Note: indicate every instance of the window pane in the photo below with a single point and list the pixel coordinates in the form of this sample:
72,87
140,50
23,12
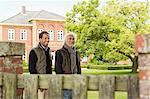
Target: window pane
11,34
23,34
60,35
39,31
51,34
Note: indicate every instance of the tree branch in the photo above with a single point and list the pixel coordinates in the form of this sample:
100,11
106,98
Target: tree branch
129,56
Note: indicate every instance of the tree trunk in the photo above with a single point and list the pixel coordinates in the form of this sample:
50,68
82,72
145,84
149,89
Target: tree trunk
134,64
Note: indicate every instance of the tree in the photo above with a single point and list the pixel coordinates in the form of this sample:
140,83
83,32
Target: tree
109,32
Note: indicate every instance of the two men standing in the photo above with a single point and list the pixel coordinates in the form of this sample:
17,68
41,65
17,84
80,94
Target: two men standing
67,59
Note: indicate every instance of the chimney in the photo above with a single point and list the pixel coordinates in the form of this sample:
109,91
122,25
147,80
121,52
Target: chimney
23,10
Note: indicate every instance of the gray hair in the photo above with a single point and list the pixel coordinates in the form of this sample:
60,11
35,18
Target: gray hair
69,34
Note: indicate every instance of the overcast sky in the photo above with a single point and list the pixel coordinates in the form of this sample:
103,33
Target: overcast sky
9,8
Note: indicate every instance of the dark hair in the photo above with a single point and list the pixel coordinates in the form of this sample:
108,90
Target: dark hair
41,34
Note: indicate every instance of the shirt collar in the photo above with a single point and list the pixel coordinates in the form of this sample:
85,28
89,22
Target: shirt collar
45,48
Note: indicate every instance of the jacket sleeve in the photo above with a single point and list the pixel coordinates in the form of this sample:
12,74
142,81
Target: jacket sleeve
78,63
58,62
32,62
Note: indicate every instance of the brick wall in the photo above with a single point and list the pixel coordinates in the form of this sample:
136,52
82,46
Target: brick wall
142,45
11,60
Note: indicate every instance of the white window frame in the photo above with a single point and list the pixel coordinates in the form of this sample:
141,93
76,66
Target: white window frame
60,35
39,30
51,35
11,34
23,34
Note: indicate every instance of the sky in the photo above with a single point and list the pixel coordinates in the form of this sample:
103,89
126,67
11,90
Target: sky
9,8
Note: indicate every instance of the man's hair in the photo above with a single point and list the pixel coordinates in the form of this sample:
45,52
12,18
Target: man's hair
41,34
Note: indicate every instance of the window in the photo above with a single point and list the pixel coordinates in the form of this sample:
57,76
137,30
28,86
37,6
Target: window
60,35
39,31
51,35
23,34
11,34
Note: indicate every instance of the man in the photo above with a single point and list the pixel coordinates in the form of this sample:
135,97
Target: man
40,61
67,61
40,58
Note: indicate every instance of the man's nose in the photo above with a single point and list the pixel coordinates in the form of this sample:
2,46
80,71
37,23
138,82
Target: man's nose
47,40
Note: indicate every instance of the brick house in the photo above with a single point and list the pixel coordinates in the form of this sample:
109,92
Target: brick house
25,26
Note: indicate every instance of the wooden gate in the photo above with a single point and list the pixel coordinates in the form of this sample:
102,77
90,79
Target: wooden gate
80,84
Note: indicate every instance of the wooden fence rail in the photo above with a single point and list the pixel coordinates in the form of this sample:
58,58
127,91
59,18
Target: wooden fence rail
80,84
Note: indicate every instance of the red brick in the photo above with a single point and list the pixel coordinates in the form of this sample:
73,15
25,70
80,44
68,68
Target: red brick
17,60
139,43
19,91
1,62
19,70
1,69
144,75
8,70
144,60
144,89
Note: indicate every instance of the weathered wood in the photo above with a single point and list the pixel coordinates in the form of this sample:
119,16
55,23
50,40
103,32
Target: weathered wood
106,87
93,82
55,87
133,89
121,82
79,87
9,86
20,80
67,82
44,81
106,84
31,86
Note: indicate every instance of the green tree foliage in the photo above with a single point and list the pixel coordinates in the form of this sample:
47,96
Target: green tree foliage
108,32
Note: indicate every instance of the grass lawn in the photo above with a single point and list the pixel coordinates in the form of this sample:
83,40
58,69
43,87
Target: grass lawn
118,95
97,72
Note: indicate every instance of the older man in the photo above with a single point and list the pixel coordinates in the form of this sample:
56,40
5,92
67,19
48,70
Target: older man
67,61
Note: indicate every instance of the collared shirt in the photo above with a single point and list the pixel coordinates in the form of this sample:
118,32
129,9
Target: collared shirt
45,48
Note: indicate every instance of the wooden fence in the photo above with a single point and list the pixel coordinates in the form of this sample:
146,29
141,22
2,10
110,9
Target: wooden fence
106,85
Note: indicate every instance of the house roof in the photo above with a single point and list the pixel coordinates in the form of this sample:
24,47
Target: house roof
22,18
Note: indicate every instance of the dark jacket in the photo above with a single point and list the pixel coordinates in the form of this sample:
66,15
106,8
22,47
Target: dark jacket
63,62
40,61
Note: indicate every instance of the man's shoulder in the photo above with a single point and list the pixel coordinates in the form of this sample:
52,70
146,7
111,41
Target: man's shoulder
35,48
59,49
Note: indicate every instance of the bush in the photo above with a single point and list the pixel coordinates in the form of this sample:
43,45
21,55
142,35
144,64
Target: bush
24,63
25,66
107,67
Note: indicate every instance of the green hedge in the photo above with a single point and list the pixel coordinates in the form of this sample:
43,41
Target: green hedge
103,67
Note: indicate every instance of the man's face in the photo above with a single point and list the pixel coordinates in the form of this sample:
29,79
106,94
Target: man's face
70,40
44,40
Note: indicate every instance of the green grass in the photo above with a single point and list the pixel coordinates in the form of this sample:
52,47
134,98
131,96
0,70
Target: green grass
118,95
97,72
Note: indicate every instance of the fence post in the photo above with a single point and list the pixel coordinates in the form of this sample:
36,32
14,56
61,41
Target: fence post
107,87
142,45
11,60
